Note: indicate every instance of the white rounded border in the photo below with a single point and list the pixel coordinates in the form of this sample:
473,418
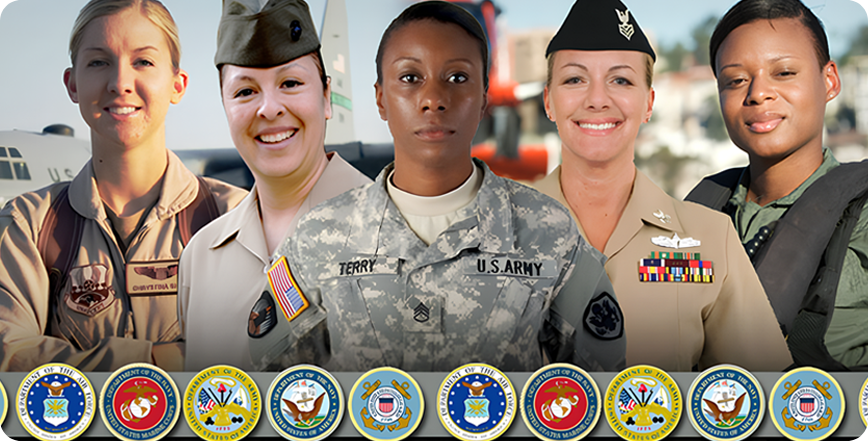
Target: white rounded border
465,371
325,373
86,389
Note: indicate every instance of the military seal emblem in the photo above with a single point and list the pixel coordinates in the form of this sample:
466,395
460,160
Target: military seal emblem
386,404
139,402
643,402
305,403
222,403
863,403
56,402
560,402
806,404
726,403
477,402
4,405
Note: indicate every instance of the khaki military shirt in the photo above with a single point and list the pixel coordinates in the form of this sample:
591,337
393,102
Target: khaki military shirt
108,313
846,338
678,325
222,273
509,280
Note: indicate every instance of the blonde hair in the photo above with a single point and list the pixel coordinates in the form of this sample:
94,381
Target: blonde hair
155,11
649,69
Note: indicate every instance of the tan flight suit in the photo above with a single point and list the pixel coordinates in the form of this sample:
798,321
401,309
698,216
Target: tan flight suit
222,273
678,325
99,322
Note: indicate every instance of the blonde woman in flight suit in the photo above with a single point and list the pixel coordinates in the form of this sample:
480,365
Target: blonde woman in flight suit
117,303
599,93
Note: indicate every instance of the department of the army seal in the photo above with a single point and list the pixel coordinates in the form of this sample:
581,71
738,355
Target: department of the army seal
863,403
643,403
56,402
305,403
806,404
386,404
725,403
477,402
139,402
560,402
222,403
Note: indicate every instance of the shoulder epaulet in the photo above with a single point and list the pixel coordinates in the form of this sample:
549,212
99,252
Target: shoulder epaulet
714,191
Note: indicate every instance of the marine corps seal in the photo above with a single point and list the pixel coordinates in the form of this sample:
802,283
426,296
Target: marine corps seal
806,404
139,402
643,403
305,403
477,402
222,403
560,402
726,403
56,402
386,404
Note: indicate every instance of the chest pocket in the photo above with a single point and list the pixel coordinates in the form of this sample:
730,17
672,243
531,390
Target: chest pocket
509,334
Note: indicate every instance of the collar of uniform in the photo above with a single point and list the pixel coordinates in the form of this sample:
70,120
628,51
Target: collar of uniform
739,196
233,223
551,186
84,195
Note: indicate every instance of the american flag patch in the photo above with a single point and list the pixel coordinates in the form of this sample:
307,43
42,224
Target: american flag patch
290,298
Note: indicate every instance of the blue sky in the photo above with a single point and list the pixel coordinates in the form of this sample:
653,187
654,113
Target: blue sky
34,39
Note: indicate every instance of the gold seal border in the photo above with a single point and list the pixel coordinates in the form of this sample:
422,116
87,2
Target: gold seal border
660,433
251,386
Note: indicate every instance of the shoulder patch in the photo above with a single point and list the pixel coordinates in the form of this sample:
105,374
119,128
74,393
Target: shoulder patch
262,316
289,296
603,317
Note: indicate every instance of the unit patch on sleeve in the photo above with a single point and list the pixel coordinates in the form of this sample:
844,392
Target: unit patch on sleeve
603,317
289,296
150,278
262,317
665,266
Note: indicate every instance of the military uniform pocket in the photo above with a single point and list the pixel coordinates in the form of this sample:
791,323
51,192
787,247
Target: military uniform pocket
511,329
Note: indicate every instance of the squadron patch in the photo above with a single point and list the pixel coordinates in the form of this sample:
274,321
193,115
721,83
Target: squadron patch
139,402
305,403
806,404
477,402
726,403
290,298
262,317
643,403
222,403
386,404
603,317
560,402
89,289
56,402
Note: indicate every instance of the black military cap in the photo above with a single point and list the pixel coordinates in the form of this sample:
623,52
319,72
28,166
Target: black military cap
255,35
600,25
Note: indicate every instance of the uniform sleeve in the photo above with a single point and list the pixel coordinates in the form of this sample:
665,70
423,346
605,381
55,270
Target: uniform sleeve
24,310
585,325
740,326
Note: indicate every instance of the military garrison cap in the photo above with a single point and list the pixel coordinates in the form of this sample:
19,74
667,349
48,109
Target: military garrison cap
256,33
600,25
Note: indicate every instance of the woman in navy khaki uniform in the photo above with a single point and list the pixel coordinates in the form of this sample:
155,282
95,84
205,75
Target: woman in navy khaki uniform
439,262
276,96
690,297
113,236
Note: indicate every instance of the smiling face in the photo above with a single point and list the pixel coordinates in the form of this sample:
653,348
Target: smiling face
598,99
773,95
432,93
123,80
277,115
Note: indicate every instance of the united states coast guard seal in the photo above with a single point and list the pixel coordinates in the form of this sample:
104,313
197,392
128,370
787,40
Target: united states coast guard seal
222,403
643,403
305,403
477,402
725,403
386,404
560,402
139,402
806,404
56,402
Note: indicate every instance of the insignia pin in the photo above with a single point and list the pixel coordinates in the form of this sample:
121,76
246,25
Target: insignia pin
625,28
675,242
663,217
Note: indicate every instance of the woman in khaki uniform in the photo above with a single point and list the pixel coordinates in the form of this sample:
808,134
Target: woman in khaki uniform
113,236
277,102
701,304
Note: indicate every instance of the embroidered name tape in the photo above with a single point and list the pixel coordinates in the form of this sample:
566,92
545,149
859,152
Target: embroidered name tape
362,266
149,278
505,266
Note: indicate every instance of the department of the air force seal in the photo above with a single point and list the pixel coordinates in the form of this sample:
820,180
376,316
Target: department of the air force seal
725,403
222,403
643,403
56,402
139,402
806,404
305,403
386,404
477,402
863,403
560,402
